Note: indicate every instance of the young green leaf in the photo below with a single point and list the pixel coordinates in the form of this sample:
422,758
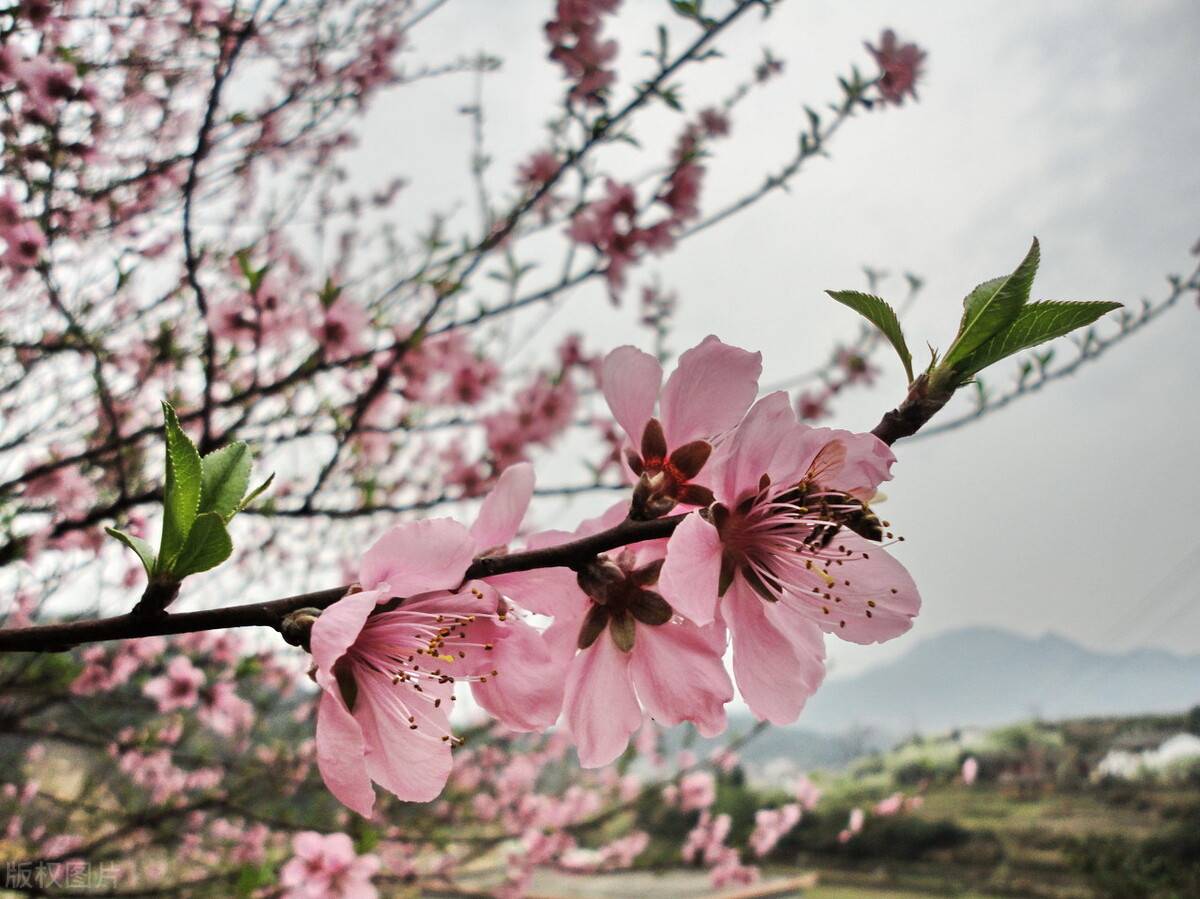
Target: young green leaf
208,545
1036,323
225,475
993,306
882,316
138,545
181,493
256,492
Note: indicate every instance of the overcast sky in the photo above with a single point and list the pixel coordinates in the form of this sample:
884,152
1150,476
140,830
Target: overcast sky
1070,511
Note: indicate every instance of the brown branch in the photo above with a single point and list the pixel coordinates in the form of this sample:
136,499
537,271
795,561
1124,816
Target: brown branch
922,403
222,69
61,637
902,421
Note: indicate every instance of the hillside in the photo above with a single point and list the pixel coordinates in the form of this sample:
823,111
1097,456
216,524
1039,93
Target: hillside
985,677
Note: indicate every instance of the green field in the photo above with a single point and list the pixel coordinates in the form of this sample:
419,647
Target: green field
1037,823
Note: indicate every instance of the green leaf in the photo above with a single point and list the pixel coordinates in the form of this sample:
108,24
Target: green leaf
253,877
208,545
256,492
143,549
1036,323
225,475
366,839
329,293
882,316
993,306
181,494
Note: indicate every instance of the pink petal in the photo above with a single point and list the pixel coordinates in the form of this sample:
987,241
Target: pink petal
562,637
766,442
710,390
630,380
600,705
467,601
340,751
339,626
611,517
774,674
504,507
547,591
867,464
308,843
690,576
874,577
680,676
413,765
419,557
527,695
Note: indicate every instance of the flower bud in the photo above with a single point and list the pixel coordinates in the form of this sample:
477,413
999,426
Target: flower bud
297,626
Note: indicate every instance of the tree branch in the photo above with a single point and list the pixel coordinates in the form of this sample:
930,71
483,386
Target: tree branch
902,421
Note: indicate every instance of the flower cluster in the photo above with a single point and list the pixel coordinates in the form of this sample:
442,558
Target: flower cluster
577,46
612,226
777,546
23,239
899,67
615,224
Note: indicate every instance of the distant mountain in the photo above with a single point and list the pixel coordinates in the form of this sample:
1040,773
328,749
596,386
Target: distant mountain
987,676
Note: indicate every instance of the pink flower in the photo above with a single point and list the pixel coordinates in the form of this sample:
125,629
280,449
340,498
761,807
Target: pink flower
340,329
706,840
179,688
578,48
892,805
24,244
697,791
537,170
611,226
729,871
388,678
857,819
10,210
771,825
528,697
706,396
853,827
714,122
224,711
47,83
856,368
682,196
262,317
812,406
970,770
65,488
807,793
383,714
781,555
622,646
325,866
899,67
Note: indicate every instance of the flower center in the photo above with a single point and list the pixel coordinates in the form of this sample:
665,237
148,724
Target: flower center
620,600
773,536
664,479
